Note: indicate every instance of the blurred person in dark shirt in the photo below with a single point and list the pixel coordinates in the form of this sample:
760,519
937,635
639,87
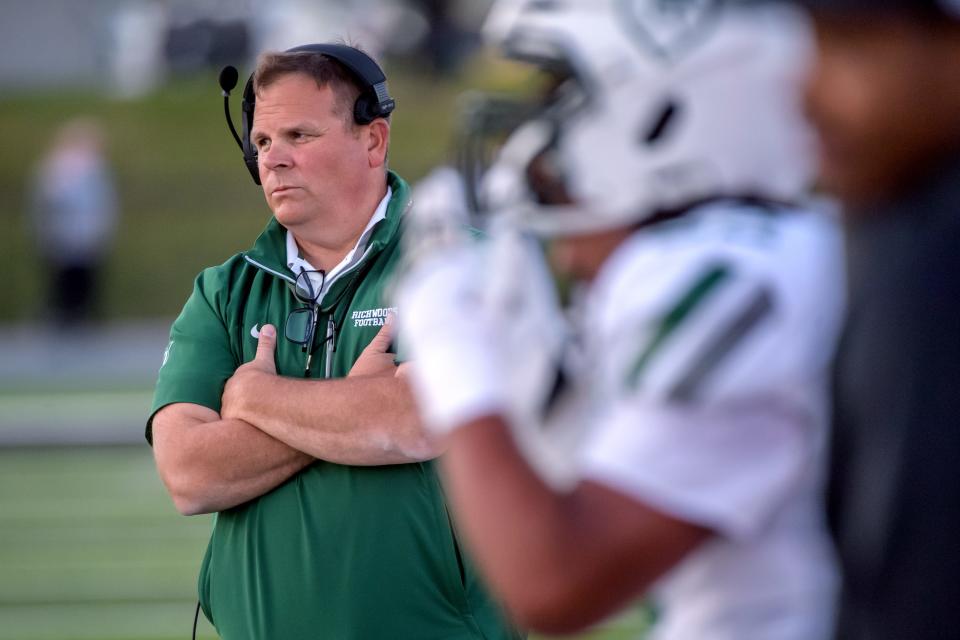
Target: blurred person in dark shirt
885,97
74,220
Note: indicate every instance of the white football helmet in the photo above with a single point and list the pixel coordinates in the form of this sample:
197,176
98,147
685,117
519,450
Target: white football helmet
657,104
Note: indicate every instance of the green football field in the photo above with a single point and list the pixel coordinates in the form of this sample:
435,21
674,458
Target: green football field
92,549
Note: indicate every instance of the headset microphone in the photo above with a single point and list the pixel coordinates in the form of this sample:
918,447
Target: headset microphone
374,100
228,80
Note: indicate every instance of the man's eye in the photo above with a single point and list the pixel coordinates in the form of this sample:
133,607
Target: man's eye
261,144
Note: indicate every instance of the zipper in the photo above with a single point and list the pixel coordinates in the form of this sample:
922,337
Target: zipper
331,346
309,348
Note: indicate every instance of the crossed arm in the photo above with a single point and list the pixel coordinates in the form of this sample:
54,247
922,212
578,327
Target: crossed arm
271,427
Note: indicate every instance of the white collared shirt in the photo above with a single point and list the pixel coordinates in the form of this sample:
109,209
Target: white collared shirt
296,263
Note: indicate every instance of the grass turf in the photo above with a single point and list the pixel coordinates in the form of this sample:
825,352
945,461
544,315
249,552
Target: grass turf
92,549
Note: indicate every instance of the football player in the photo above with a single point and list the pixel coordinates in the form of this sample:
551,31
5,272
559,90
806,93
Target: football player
667,173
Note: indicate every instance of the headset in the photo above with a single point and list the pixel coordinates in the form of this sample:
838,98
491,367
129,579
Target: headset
374,100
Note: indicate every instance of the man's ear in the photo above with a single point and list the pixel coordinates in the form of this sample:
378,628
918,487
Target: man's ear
378,140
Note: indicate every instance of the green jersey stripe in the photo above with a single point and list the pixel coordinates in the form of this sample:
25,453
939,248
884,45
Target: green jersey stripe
701,289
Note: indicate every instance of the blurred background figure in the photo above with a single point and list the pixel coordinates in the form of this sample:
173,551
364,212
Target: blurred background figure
74,215
885,96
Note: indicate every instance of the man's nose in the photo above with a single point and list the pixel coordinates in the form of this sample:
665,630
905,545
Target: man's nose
276,156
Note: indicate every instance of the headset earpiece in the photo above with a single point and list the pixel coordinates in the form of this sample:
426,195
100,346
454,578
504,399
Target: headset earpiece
364,110
250,158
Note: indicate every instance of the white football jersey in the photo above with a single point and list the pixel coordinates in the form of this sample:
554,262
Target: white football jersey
697,384
708,346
